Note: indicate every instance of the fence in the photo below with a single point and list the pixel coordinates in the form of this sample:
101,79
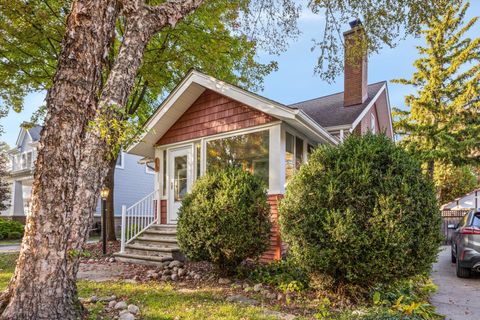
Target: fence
451,217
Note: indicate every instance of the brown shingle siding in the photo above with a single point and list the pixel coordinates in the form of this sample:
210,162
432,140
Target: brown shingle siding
211,114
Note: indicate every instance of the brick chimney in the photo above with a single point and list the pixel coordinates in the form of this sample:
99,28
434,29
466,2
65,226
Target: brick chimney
356,65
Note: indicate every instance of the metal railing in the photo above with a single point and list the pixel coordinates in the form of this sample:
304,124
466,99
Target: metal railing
138,217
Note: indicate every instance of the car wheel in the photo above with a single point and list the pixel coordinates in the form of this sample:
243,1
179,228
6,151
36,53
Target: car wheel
462,272
454,259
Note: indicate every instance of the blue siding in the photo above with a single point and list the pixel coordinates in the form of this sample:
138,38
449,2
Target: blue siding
131,183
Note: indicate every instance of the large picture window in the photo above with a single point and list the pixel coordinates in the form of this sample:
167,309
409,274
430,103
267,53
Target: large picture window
247,151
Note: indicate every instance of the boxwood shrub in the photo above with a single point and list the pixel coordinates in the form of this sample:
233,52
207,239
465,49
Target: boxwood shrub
10,229
225,219
361,213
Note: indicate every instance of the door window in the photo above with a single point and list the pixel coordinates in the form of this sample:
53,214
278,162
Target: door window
180,177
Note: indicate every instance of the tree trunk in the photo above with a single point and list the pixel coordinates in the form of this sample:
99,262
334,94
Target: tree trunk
67,176
431,168
110,209
72,160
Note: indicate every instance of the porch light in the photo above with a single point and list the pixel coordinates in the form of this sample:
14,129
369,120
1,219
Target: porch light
104,193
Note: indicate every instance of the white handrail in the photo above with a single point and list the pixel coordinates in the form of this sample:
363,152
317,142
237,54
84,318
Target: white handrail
138,217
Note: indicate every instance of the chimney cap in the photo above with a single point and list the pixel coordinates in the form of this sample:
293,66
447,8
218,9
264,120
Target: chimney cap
355,23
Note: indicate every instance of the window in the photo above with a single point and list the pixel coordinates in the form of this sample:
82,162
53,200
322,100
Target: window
247,151
298,152
197,157
373,123
289,155
476,220
310,149
120,160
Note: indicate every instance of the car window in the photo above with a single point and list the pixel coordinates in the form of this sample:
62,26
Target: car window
476,220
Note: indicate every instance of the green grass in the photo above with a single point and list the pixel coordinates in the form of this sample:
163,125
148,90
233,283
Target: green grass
18,241
155,300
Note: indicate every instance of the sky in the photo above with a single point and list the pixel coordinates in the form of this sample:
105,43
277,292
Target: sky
295,80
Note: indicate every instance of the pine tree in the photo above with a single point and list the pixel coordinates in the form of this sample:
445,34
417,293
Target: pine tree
442,124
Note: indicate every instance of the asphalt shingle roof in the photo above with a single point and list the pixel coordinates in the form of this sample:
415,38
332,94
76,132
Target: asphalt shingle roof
329,111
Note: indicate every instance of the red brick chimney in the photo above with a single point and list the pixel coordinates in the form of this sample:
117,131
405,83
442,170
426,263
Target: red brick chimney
356,65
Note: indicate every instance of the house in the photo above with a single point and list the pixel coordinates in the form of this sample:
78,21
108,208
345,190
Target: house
206,123
132,180
468,201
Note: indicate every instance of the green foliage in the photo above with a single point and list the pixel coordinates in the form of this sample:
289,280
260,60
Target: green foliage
283,274
4,183
452,182
10,229
225,219
442,124
361,214
385,22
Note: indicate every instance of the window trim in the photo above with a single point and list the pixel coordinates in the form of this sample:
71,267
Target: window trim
204,141
122,161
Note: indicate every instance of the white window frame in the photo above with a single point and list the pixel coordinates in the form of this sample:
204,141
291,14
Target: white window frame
122,161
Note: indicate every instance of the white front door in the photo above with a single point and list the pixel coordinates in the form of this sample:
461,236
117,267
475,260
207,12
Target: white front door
180,179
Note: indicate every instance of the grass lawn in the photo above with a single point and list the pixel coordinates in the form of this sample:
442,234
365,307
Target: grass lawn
155,300
18,241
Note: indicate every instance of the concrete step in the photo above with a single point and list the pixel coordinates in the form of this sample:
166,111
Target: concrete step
157,248
141,259
163,227
155,239
156,232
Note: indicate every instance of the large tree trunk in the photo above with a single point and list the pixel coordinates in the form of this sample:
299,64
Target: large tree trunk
110,207
67,176
73,157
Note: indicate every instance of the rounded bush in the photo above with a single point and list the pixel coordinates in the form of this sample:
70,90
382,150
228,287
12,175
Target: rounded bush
361,213
225,219
9,228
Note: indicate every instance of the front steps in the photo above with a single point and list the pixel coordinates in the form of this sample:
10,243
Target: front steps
154,246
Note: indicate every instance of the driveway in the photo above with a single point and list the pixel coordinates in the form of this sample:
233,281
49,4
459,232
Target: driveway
457,299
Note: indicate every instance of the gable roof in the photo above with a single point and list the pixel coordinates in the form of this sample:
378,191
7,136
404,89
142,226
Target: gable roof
329,111
193,85
33,133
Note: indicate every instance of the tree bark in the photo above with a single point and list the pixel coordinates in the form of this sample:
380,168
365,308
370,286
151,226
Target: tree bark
110,209
72,160
67,176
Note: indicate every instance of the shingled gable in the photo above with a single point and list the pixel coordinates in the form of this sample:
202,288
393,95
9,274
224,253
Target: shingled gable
194,85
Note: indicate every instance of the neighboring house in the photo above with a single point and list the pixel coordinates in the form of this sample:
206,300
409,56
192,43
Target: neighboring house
132,180
468,201
205,123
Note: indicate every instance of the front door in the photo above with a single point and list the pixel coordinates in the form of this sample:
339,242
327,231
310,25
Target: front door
179,179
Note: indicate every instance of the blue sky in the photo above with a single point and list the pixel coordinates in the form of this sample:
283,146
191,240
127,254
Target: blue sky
295,80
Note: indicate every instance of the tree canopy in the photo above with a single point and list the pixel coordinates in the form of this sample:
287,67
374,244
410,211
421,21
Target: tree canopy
442,123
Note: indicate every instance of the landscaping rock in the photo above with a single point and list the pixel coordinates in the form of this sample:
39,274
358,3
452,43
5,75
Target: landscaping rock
257,287
133,309
93,299
126,316
279,296
175,263
271,295
167,272
174,277
242,300
112,304
224,281
181,272
111,260
120,305
107,299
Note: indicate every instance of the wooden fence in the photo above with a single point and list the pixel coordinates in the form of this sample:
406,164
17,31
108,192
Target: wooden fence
451,217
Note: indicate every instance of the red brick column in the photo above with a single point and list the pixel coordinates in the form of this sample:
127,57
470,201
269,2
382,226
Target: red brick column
275,250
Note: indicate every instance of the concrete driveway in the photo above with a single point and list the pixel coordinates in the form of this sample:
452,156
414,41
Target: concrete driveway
457,299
